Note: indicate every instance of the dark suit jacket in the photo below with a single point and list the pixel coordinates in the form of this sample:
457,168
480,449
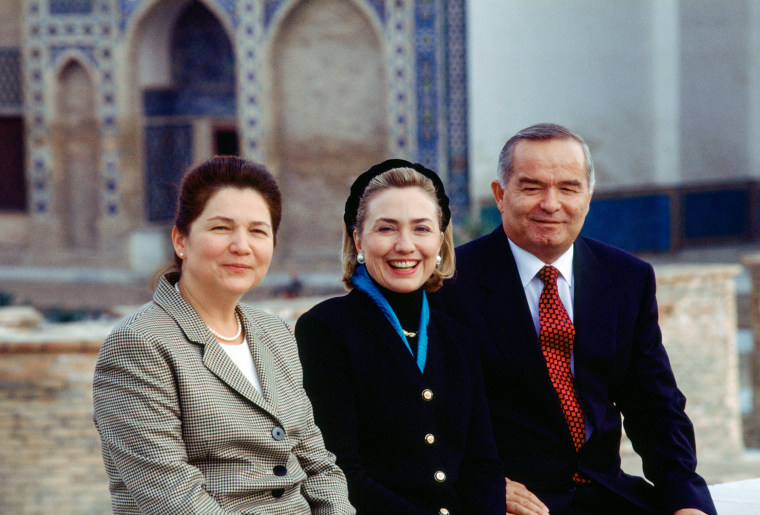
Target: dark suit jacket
620,367
183,431
367,395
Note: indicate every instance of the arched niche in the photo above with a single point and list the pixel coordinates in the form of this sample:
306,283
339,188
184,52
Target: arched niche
76,145
186,83
330,121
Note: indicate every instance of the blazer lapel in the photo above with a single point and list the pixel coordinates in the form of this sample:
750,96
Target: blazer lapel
595,323
261,344
506,309
215,358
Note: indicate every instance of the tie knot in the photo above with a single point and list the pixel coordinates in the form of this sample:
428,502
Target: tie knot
548,274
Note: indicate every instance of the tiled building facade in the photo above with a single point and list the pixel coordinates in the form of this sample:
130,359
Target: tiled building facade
103,104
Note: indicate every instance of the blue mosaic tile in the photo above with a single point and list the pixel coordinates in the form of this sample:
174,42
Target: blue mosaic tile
71,6
427,94
270,9
456,101
720,213
11,94
168,153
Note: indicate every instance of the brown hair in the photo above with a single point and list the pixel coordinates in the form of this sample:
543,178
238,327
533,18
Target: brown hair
203,180
398,178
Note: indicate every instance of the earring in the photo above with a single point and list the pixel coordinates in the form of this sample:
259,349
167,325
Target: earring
360,258
438,260
181,254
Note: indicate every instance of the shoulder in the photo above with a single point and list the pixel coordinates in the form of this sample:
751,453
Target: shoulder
476,248
337,308
590,251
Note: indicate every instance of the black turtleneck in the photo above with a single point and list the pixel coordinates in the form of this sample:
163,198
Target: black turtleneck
407,307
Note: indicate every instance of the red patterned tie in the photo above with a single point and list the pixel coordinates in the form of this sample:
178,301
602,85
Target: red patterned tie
556,337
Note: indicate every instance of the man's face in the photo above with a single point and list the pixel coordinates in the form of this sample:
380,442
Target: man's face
546,198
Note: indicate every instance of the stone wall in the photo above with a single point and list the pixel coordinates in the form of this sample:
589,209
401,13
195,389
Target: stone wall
698,320
50,451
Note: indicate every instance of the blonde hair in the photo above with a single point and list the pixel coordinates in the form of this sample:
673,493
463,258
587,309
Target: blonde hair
398,178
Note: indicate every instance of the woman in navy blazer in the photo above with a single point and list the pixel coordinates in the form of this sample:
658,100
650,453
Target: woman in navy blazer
396,386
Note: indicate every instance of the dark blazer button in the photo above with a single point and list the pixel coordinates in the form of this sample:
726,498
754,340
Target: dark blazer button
427,394
430,439
443,511
277,492
279,470
278,433
440,476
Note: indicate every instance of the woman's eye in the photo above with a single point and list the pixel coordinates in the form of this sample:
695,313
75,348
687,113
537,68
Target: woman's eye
423,228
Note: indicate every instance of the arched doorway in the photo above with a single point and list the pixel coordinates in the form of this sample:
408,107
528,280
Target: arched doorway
188,101
330,110
77,147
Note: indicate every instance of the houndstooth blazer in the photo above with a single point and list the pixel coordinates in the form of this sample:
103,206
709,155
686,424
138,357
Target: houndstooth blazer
183,431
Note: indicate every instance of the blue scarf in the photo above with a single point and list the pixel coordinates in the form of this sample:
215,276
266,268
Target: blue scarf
363,282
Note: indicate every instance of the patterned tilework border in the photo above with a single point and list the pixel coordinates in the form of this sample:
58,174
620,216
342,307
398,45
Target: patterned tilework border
456,101
402,116
85,33
428,68
250,35
10,78
70,6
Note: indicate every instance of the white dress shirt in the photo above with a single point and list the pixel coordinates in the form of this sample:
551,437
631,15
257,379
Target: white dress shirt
528,266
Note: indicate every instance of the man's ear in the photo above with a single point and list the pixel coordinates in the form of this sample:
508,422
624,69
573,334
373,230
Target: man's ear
498,192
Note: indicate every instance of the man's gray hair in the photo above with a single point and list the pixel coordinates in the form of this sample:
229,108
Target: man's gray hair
541,131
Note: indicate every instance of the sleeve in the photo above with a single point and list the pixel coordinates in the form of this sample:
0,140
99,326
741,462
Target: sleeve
654,416
327,379
138,416
325,486
481,476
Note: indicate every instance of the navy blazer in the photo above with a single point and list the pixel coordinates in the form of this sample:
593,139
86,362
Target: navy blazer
620,367
390,440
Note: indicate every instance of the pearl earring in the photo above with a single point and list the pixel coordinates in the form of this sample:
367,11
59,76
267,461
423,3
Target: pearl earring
438,260
360,258
181,254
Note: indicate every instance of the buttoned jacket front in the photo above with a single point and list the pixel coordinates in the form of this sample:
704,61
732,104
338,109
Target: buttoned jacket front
183,431
620,367
410,443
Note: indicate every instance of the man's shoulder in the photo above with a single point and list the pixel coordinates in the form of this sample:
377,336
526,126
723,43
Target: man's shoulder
476,249
607,253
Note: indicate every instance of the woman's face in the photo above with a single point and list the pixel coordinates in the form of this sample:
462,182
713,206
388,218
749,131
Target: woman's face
229,246
400,238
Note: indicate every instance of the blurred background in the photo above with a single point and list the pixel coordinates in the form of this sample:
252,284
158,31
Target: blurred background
104,104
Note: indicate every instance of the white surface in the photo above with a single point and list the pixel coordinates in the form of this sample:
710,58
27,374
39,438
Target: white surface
737,497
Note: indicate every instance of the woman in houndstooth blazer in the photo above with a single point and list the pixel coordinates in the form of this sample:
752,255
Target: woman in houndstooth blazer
199,400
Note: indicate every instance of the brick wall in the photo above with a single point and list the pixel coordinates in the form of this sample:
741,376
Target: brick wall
49,448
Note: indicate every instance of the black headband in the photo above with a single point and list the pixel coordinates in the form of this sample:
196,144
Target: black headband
361,183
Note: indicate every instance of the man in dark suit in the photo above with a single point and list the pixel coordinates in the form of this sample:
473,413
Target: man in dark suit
567,349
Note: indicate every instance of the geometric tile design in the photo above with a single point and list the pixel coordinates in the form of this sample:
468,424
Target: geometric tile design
168,149
70,6
10,78
424,50
456,103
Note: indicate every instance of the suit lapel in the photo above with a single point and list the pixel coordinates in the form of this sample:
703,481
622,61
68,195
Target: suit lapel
215,358
261,344
505,307
595,322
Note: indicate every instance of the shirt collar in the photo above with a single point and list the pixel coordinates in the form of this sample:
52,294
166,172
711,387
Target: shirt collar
528,265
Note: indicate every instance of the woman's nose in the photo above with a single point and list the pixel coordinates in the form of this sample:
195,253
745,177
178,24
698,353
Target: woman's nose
404,242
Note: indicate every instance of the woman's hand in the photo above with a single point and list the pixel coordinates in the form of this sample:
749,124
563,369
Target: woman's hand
521,501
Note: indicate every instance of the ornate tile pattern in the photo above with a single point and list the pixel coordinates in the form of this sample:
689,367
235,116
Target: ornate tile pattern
10,78
425,62
70,6
456,102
